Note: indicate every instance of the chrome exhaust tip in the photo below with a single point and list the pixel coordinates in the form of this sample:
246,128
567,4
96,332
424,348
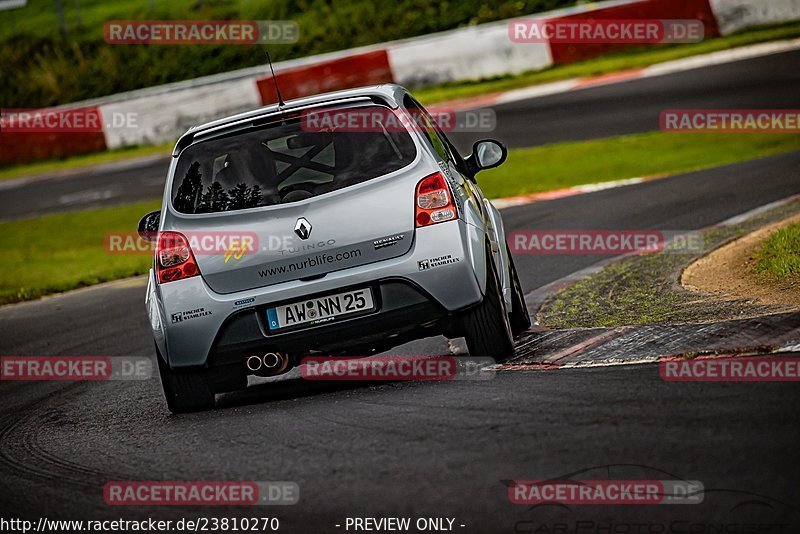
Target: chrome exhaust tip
272,360
253,363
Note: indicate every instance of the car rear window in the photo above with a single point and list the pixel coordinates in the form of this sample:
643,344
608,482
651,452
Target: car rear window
281,163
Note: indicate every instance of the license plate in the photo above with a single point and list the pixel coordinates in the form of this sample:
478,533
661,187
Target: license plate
320,310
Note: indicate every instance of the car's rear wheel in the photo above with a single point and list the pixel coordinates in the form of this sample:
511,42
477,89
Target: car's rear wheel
184,390
486,326
520,320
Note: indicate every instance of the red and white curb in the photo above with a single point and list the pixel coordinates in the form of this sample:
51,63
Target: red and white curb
521,200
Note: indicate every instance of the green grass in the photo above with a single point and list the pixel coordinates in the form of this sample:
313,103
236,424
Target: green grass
56,253
625,60
84,160
531,170
779,256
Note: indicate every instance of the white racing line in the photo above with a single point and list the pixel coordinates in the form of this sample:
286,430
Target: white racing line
91,195
510,202
658,359
612,363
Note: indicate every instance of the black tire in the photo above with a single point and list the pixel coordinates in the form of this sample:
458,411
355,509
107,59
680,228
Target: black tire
486,326
520,320
185,391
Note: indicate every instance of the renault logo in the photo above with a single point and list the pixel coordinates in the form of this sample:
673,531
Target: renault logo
302,228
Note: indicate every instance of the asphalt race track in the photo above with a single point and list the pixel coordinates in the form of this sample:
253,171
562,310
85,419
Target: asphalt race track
625,108
435,449
635,106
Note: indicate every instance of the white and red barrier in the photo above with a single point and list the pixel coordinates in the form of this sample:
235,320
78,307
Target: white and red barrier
160,114
733,15
564,53
32,135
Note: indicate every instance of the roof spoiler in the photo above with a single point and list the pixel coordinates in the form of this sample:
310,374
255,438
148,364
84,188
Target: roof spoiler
257,119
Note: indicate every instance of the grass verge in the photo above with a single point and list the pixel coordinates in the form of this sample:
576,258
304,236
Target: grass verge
644,289
779,257
66,251
532,170
633,58
84,160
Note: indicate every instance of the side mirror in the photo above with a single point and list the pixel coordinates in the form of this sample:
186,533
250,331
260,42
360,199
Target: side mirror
148,226
486,154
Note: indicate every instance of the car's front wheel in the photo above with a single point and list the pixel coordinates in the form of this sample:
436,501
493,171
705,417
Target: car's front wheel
486,326
184,390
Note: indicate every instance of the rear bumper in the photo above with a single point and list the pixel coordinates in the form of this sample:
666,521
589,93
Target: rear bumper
194,326
404,312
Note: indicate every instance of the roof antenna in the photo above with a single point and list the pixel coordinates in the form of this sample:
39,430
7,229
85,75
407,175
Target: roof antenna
281,103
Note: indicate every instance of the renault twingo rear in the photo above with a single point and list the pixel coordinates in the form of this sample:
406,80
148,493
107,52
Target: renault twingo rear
322,242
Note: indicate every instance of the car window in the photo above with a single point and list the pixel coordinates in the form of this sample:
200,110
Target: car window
427,126
281,163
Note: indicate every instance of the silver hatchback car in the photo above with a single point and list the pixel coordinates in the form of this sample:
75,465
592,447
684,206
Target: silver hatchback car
297,230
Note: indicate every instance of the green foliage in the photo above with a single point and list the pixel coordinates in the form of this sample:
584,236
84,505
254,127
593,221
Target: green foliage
41,67
65,251
779,256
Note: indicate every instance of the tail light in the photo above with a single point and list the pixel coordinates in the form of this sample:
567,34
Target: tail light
174,258
434,201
